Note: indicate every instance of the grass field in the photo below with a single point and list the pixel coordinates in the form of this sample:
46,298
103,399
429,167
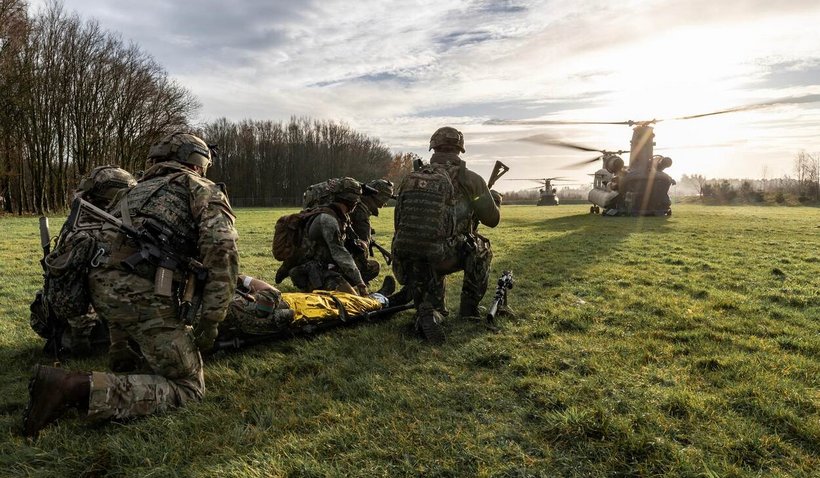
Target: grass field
681,346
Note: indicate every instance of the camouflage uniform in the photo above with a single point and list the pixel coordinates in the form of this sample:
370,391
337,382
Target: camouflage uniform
258,309
328,265
369,205
466,250
325,262
202,222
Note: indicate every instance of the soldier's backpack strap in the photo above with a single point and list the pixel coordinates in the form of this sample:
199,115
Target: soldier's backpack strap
124,212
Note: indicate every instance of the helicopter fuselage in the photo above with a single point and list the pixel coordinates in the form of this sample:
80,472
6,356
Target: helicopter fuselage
641,188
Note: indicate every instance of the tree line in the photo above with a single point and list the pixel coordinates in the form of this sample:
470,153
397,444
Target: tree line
804,187
267,163
74,96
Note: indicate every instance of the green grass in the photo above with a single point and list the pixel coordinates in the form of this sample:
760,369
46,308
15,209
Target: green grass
685,346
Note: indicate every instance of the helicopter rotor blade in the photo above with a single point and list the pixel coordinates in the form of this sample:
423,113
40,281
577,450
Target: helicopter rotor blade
548,141
789,100
551,122
583,163
540,180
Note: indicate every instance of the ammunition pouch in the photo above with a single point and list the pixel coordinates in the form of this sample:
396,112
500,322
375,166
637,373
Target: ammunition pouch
129,258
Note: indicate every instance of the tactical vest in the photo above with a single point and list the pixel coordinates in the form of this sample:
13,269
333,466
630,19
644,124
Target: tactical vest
167,200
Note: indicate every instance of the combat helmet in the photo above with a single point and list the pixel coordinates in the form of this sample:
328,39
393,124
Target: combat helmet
347,190
383,191
184,148
103,183
447,135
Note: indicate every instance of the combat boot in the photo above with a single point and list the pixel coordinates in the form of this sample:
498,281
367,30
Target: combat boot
428,322
403,296
388,286
470,310
52,391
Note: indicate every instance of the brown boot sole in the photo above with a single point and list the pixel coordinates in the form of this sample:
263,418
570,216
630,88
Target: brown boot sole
431,330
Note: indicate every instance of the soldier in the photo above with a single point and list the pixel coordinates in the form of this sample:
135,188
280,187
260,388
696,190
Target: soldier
437,213
175,194
73,334
324,262
369,205
258,308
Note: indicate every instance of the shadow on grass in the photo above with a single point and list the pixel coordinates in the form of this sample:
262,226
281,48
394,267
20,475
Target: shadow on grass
568,245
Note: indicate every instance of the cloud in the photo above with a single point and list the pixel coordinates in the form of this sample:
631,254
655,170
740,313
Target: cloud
400,70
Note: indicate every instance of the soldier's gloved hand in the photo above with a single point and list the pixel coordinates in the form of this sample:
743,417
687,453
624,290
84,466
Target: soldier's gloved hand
362,289
205,334
496,197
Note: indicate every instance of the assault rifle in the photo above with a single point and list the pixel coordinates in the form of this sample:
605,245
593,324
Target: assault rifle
505,283
154,242
56,326
388,257
499,169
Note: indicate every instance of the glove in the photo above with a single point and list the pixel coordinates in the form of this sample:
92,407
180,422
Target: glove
362,289
205,334
496,197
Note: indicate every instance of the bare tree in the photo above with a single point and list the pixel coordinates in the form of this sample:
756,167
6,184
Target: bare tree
75,97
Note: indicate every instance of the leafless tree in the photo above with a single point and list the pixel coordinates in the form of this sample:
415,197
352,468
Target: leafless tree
76,97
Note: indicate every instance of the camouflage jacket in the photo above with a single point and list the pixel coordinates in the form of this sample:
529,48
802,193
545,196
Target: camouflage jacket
201,221
325,242
474,198
360,221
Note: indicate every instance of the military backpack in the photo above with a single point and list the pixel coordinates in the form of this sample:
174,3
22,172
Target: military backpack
66,288
425,215
289,231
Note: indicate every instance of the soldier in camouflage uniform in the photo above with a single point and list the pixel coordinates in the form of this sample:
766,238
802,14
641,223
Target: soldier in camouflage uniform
258,308
325,262
465,251
369,205
174,193
99,188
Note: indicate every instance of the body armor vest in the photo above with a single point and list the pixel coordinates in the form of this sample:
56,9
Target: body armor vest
166,199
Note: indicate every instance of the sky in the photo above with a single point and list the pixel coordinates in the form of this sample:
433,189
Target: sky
399,70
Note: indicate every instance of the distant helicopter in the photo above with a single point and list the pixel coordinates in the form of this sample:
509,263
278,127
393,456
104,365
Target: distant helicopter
547,194
640,188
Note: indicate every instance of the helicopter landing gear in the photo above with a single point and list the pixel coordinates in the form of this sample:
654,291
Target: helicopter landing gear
669,212
594,210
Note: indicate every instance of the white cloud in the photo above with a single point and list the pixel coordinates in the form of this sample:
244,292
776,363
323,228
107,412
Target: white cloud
386,67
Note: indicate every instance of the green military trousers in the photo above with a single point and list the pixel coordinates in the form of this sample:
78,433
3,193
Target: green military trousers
176,377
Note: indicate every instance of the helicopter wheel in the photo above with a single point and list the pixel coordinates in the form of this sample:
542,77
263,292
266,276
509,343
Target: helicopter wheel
592,209
669,212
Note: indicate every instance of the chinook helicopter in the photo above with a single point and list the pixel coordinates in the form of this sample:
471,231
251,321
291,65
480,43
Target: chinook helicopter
640,188
547,194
